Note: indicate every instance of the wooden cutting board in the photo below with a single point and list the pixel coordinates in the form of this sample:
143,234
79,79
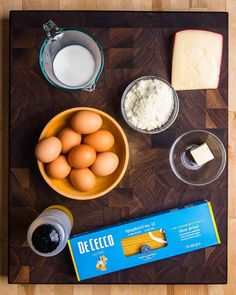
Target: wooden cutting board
135,44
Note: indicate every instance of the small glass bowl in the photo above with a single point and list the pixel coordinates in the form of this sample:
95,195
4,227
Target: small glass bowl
184,166
172,117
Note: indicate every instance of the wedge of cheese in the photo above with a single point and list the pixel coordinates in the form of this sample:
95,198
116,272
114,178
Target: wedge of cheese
196,60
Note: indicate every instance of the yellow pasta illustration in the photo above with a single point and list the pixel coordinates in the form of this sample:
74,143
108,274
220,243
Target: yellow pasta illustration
144,243
101,263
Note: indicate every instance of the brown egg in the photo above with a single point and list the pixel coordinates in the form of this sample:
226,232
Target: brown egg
58,168
86,122
105,164
82,179
82,156
48,149
101,140
69,139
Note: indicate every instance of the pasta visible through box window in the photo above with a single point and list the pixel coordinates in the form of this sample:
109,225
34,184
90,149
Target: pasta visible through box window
155,240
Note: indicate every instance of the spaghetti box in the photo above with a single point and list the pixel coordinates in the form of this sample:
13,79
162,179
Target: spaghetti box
144,240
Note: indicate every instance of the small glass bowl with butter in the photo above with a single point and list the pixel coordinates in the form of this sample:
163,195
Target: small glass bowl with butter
198,157
149,104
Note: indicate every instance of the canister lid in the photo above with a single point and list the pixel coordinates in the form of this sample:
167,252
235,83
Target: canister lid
45,238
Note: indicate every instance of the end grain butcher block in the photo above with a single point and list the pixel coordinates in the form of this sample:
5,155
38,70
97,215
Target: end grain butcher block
135,44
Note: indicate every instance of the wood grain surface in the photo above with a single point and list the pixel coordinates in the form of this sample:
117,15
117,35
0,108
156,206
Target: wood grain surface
136,5
135,44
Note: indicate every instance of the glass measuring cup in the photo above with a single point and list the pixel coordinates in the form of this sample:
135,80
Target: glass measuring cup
59,38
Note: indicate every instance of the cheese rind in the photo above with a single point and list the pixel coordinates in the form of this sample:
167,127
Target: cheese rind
202,154
196,60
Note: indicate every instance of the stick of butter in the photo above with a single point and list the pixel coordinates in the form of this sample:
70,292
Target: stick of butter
196,60
202,154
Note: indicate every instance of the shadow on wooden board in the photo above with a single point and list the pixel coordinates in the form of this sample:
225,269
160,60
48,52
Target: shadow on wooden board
4,146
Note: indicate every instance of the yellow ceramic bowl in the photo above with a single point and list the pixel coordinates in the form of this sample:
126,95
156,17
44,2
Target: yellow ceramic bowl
103,184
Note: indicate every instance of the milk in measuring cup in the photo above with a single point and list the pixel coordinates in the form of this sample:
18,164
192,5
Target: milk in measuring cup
74,65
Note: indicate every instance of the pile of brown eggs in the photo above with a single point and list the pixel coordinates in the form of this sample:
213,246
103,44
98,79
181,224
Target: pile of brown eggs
80,151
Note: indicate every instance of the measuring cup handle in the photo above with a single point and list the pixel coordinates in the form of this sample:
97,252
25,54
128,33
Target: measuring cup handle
51,29
91,87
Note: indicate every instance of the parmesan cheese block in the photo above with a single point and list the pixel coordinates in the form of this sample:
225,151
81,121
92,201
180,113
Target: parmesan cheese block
196,60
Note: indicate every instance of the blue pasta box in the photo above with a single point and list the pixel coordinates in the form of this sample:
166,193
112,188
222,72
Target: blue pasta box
144,240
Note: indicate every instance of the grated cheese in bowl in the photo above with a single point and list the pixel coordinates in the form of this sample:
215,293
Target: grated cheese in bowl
149,103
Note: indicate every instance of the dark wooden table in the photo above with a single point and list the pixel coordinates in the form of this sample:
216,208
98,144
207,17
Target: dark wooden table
135,44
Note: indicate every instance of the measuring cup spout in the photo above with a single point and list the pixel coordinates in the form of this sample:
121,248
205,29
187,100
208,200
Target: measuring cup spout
51,29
